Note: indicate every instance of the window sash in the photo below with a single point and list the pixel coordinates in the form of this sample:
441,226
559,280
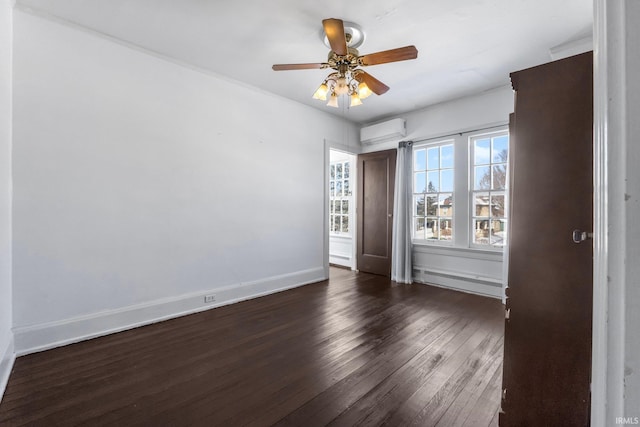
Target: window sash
433,192
340,199
488,168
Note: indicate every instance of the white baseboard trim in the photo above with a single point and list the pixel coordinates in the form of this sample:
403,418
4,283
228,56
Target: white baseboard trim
40,337
488,287
7,358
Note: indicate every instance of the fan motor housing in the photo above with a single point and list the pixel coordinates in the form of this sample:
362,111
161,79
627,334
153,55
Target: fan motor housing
350,59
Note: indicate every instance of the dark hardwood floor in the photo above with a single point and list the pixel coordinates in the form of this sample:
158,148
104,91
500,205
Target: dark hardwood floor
354,350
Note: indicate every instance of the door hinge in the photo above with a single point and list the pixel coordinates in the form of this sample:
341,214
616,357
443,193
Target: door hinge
507,304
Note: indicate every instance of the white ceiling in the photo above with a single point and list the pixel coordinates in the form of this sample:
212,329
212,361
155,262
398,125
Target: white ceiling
465,46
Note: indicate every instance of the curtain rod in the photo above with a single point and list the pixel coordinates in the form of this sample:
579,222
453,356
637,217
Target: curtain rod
460,133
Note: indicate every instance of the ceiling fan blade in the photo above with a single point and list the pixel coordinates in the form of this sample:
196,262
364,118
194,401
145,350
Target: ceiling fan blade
393,55
334,29
309,66
374,84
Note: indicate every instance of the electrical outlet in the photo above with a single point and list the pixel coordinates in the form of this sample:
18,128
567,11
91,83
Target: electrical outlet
209,298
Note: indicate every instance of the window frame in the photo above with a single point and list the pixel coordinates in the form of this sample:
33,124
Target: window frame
462,239
437,217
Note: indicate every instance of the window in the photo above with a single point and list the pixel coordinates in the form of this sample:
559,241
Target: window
433,192
340,197
460,190
489,162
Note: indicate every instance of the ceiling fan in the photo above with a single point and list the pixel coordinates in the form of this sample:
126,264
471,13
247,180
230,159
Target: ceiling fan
345,60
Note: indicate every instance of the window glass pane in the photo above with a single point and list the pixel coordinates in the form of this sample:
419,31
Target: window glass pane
330,222
431,228
500,149
345,206
331,203
418,231
333,171
445,205
446,229
481,231
420,183
346,170
490,232
499,177
420,160
418,205
345,223
332,188
337,209
433,179
446,156
336,224
432,205
433,158
338,188
481,151
446,180
481,204
346,190
498,232
339,171
482,179
497,205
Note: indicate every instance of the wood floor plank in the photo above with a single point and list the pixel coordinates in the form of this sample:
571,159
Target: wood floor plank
487,406
402,395
333,401
465,401
354,350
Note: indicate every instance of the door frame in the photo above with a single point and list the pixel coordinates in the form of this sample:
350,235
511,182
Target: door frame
328,146
609,281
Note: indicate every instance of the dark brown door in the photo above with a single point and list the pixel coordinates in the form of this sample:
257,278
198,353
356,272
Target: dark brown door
547,358
376,178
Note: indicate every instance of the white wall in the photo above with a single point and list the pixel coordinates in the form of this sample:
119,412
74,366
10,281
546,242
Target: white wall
616,342
457,267
460,115
141,185
6,337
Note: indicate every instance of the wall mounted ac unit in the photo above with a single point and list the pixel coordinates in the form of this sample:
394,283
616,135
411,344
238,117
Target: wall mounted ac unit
385,131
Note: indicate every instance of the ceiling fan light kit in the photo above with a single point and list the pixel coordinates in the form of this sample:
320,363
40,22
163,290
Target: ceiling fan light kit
345,60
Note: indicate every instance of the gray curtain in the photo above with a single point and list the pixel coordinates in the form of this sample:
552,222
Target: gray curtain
401,262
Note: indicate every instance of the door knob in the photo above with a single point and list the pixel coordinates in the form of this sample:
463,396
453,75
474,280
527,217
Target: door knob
580,236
